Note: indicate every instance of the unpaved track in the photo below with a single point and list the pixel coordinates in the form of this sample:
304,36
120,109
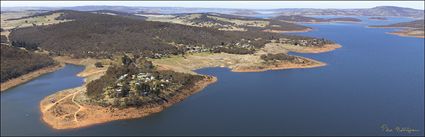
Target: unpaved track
57,102
76,103
73,100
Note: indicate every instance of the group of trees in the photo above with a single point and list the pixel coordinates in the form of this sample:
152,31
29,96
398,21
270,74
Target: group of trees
127,93
16,62
233,50
279,56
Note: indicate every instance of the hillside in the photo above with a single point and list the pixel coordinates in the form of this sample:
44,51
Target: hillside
16,62
227,22
102,35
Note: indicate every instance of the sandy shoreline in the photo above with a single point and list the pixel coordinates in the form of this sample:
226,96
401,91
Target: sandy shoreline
29,76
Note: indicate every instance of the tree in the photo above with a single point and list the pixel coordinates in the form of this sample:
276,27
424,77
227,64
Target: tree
126,60
98,65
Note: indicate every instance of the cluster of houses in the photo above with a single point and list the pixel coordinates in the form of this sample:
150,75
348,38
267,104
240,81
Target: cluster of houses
141,84
199,49
305,42
196,49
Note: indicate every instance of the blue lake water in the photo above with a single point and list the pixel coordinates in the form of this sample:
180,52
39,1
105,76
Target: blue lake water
374,79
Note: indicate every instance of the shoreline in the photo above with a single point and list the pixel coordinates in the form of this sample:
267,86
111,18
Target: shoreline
29,76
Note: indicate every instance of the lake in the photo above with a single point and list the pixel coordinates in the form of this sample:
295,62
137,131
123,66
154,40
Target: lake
374,80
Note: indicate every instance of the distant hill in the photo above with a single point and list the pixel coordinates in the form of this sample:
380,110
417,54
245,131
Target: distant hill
245,12
228,22
376,11
299,18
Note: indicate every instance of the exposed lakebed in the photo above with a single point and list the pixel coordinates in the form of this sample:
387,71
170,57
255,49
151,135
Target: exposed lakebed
374,79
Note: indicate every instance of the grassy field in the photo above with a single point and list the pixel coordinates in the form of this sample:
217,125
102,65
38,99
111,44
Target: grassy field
40,20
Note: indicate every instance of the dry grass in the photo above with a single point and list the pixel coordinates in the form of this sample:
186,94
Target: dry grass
41,20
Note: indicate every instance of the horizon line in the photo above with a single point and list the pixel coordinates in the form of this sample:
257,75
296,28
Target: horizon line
192,7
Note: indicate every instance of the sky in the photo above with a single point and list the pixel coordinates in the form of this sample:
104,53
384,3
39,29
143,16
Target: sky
222,4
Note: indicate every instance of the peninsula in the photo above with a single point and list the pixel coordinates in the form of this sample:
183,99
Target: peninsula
134,87
137,65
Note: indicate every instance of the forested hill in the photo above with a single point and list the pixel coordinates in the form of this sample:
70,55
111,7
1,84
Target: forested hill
102,35
16,62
